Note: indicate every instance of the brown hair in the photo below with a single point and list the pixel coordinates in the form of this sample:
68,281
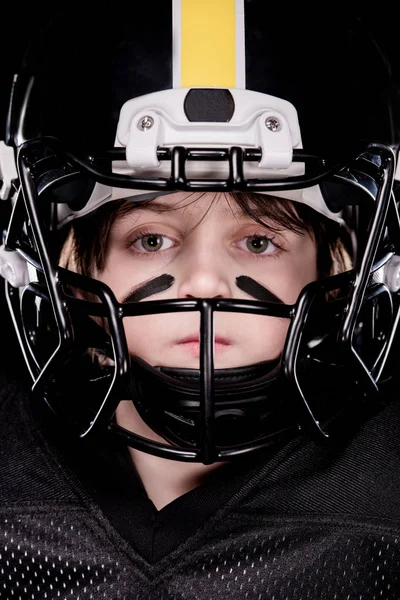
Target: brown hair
85,247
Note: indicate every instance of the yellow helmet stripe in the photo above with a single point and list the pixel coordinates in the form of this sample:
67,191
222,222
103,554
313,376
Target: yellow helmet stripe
208,48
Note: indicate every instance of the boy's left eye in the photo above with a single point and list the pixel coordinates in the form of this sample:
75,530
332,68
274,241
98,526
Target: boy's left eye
257,244
152,243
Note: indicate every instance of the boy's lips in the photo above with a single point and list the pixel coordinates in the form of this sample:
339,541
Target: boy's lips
191,344
191,339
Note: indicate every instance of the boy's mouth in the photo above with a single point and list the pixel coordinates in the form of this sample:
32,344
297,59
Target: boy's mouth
191,344
196,339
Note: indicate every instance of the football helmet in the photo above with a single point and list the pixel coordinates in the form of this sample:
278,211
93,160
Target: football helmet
227,96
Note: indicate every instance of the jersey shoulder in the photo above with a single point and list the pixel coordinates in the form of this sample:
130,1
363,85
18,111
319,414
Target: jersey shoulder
357,476
28,472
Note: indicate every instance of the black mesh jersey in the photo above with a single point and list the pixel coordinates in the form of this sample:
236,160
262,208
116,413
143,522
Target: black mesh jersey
302,523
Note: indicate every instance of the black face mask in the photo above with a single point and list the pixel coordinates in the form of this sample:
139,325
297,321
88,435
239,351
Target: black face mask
169,399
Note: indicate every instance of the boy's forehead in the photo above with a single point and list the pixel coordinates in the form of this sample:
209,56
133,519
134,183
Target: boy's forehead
184,203
194,203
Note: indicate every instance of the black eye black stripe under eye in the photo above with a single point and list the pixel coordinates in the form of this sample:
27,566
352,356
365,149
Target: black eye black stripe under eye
164,282
253,288
149,288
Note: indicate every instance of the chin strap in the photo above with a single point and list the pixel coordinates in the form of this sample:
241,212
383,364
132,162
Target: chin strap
249,402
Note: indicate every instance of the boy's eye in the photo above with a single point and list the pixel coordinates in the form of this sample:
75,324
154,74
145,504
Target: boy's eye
258,244
152,243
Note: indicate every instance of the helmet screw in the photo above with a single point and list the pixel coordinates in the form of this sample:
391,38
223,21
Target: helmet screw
273,124
146,123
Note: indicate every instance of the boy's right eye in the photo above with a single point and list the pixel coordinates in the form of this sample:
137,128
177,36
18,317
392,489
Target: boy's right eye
152,242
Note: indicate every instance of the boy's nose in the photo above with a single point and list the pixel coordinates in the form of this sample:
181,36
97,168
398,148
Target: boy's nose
203,282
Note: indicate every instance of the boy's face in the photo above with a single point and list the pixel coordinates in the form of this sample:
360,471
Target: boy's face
205,242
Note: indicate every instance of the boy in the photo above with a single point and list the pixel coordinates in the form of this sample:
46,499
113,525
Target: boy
207,309
205,240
